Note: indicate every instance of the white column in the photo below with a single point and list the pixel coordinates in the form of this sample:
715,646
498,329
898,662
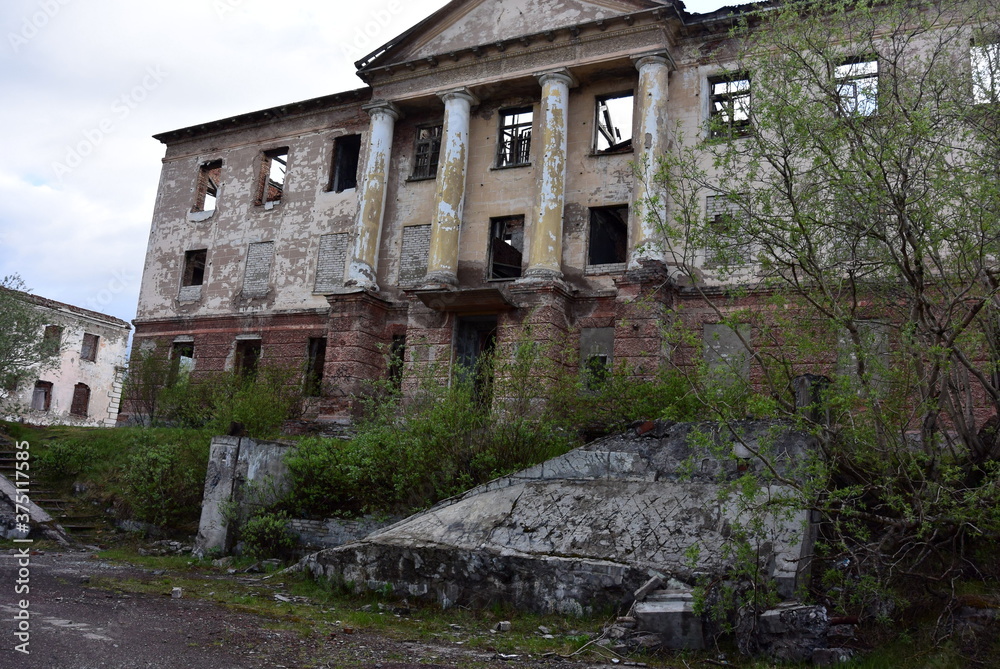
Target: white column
449,195
650,142
371,205
545,246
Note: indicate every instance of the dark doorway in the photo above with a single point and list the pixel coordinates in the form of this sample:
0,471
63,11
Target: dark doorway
475,340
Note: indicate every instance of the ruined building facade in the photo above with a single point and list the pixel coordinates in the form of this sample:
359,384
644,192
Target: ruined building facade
484,179
84,384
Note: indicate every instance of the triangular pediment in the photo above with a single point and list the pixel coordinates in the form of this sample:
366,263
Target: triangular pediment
464,24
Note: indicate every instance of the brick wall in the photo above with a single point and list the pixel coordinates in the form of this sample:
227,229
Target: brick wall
416,249
258,271
331,261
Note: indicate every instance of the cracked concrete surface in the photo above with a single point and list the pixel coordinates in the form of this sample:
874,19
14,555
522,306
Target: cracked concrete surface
583,530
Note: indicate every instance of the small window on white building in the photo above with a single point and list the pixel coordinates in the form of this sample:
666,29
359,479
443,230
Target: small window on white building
729,105
41,396
273,167
207,191
88,351
81,400
506,247
514,146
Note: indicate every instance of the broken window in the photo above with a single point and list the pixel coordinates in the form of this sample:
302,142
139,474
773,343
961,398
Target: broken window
346,154
729,105
506,247
41,397
727,245
614,123
397,356
89,349
181,361
427,153
247,357
272,176
857,87
207,191
985,61
596,354
51,340
81,400
514,146
608,235
314,366
194,267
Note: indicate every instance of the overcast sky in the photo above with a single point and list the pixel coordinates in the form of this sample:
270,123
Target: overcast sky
86,83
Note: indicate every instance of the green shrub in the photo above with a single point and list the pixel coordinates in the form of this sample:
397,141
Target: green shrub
160,485
268,535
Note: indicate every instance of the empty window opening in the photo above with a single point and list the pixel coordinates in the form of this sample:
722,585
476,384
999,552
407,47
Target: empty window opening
608,235
41,397
506,247
427,152
89,349
857,87
596,371
81,400
729,105
181,361
985,73
475,340
314,366
397,357
51,340
208,186
272,175
247,357
346,154
614,123
514,147
194,267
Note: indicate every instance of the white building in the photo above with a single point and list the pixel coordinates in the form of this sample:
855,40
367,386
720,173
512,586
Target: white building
84,387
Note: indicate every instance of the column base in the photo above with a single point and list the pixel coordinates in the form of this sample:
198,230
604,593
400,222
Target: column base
439,281
535,274
361,276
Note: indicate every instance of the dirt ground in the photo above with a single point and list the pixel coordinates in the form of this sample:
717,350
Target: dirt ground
75,624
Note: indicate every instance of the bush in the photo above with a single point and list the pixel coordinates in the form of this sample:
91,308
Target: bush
268,535
160,484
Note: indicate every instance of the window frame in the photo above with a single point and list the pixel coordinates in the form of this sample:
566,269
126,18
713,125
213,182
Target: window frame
81,396
207,187
433,152
495,226
851,79
598,126
992,62
267,160
191,267
46,387
340,178
594,212
719,127
520,135
95,344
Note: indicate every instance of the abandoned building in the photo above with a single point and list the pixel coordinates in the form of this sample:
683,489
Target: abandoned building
84,386
490,175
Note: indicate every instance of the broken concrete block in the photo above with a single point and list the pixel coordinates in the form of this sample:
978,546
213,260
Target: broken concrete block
176,593
649,586
503,626
670,614
792,631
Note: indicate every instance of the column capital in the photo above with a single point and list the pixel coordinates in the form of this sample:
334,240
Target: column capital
459,94
656,58
561,75
383,107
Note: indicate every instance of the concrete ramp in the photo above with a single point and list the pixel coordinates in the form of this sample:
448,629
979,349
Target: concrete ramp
584,530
